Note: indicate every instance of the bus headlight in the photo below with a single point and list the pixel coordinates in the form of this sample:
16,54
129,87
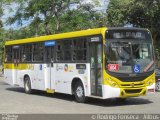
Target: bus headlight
150,82
112,82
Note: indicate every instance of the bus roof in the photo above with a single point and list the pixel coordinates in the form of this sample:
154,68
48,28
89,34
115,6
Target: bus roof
127,28
58,36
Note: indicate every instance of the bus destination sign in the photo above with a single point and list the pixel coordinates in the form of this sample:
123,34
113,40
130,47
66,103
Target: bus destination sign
127,34
49,43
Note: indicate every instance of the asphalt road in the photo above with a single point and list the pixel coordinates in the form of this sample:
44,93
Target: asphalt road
14,100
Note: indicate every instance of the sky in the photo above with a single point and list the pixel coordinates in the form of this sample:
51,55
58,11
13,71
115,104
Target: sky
103,4
8,13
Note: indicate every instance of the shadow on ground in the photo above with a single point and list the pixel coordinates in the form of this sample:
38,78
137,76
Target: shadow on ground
4,84
91,101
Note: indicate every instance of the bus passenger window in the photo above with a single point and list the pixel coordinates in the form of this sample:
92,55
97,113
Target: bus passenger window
80,49
67,55
59,53
63,52
38,52
26,57
8,56
26,53
67,47
23,58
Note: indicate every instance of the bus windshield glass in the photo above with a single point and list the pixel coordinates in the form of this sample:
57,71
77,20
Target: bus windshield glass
129,56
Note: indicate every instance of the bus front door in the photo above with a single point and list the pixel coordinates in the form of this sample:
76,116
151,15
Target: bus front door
95,51
16,60
50,72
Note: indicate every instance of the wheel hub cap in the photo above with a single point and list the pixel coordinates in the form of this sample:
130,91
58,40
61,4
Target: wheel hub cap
79,91
27,88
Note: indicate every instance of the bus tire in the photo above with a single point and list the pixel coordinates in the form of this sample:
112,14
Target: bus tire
158,86
27,85
79,92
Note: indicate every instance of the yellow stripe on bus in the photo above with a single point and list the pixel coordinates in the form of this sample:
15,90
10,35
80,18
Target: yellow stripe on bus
19,66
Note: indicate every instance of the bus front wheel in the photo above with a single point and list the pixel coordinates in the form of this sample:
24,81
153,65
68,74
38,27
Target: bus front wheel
27,85
79,92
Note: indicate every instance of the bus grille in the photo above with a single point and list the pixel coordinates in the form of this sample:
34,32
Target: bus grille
126,78
130,85
133,91
132,79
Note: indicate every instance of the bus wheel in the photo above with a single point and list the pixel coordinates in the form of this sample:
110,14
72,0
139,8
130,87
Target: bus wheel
27,85
157,86
79,92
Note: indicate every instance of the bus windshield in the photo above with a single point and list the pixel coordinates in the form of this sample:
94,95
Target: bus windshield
129,57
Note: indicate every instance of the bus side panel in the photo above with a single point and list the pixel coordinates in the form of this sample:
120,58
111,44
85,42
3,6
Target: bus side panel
38,81
25,69
88,82
8,74
110,92
13,75
18,74
35,73
47,75
65,73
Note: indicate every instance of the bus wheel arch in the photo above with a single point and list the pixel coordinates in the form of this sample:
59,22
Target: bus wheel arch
27,84
78,90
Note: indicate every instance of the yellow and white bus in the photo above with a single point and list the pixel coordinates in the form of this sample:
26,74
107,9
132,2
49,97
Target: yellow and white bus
101,63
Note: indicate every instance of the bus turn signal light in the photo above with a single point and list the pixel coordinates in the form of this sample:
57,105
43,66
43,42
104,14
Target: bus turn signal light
112,83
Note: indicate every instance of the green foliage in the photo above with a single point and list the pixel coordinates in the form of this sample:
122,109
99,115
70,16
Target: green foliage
79,19
3,4
49,17
138,13
41,11
117,12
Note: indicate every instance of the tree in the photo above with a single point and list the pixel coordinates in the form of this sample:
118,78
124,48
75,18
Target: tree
49,17
3,4
145,14
138,13
117,12
40,11
84,17
56,16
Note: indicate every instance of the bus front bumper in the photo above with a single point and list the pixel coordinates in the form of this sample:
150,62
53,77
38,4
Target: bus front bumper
111,92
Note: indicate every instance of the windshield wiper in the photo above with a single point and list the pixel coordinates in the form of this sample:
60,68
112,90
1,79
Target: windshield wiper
148,66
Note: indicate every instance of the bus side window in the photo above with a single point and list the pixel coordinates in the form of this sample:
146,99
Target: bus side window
38,52
26,53
80,49
59,53
71,50
67,47
8,52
